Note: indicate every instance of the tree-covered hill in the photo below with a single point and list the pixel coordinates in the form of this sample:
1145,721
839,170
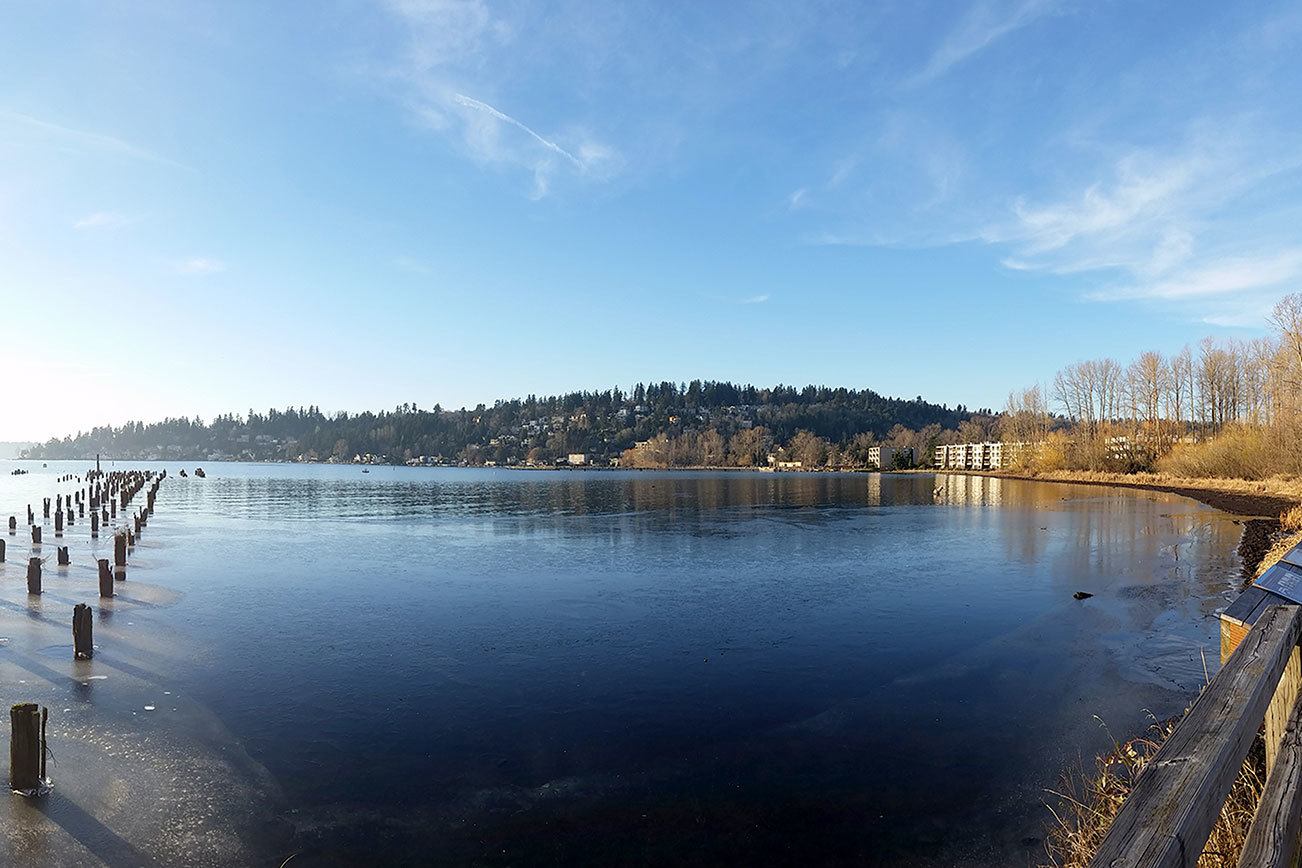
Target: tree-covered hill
601,424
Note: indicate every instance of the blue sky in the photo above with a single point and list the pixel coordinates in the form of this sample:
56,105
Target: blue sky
215,206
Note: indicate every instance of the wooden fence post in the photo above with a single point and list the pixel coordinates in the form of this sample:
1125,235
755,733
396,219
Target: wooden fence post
27,747
83,646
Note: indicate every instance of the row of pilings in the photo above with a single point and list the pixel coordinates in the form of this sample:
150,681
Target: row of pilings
107,499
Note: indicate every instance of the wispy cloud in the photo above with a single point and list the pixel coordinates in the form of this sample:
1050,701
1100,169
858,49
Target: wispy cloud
798,199
87,139
1169,227
449,50
200,265
1218,276
755,299
986,23
411,265
103,220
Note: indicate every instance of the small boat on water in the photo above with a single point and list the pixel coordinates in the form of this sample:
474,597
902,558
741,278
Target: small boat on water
364,470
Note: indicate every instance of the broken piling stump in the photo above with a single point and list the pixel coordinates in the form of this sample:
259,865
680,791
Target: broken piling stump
27,748
83,646
105,578
120,556
36,536
33,575
64,560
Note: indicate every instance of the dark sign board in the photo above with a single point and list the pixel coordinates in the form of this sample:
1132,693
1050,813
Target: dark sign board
1294,557
1285,579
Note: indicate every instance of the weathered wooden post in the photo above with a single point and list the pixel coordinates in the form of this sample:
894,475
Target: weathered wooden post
33,575
94,525
31,516
47,507
81,508
58,522
27,747
13,525
64,560
36,536
113,508
83,645
2,551
120,556
105,578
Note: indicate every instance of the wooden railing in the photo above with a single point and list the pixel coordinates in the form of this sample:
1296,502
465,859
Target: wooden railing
1178,796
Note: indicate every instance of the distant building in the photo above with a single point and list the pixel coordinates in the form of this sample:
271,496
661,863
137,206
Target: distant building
978,456
886,457
577,459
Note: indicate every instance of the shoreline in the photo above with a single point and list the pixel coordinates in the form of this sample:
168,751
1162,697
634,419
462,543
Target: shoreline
1259,505
1236,497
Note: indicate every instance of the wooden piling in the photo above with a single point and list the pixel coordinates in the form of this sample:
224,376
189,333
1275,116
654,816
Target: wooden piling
27,747
105,578
47,508
36,536
120,556
13,525
33,575
58,522
64,560
2,551
83,645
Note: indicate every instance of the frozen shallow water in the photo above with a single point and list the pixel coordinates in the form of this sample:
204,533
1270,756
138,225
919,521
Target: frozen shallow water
596,667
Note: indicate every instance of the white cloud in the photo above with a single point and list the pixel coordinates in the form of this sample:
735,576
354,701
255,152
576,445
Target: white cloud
798,199
410,265
448,51
986,23
756,299
1219,276
84,138
1173,227
200,265
103,220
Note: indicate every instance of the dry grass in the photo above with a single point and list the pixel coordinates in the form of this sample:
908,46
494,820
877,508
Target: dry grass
1239,452
1088,805
1291,520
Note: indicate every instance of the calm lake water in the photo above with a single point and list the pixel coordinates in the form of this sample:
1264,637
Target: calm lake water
452,666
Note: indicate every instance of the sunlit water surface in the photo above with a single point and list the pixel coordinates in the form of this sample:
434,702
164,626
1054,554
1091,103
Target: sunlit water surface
613,667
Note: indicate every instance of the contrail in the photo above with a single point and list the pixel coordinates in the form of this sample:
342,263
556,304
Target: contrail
470,102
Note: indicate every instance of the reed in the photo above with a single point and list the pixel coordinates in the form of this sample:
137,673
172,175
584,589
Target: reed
1087,803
